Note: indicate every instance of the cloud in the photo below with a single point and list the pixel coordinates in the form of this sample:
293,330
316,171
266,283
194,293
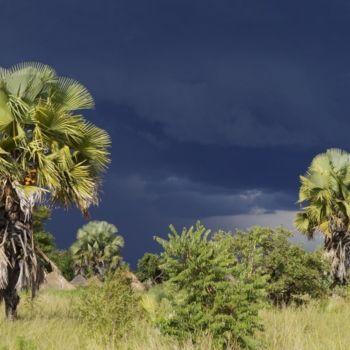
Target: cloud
176,197
214,108
221,77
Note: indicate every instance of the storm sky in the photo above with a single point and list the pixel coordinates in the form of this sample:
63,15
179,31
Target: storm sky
214,107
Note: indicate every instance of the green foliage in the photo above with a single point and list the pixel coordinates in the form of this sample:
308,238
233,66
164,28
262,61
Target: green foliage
325,189
43,239
325,194
97,249
291,273
209,292
108,310
148,269
41,214
64,261
46,144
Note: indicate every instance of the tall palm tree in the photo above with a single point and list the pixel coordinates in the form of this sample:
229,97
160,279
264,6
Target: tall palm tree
97,249
48,152
325,189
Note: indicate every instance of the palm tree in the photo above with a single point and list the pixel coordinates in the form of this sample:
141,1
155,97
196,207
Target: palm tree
97,249
326,190
48,152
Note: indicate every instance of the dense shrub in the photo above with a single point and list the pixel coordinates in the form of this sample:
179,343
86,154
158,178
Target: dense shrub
45,241
108,309
148,269
64,261
292,273
208,292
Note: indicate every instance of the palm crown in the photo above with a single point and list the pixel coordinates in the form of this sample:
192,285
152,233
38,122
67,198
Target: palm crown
45,144
97,248
326,189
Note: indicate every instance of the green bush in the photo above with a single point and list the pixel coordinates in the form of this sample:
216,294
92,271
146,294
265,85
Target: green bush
107,310
148,269
293,275
64,261
208,291
45,241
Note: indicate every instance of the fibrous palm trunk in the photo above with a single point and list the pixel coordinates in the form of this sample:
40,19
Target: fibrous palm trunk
337,249
19,265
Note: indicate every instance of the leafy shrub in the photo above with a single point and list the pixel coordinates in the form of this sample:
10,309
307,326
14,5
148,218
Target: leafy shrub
45,241
292,274
64,261
107,310
148,269
208,291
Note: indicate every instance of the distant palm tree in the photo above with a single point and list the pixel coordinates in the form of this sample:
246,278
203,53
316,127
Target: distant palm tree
47,152
326,190
97,249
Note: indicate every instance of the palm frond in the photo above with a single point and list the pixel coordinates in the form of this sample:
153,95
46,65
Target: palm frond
69,95
93,147
28,80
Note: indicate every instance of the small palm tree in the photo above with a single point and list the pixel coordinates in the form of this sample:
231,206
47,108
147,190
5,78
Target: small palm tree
48,152
326,190
97,249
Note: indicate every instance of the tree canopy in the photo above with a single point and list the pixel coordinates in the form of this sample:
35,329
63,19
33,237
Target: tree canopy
325,188
208,291
46,146
97,248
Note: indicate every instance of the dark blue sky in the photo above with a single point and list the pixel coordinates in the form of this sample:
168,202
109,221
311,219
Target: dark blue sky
214,107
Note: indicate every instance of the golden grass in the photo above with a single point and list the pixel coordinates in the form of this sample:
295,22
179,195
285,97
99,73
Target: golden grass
318,326
48,324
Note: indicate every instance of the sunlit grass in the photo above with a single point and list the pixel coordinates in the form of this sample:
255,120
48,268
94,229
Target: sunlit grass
48,323
318,326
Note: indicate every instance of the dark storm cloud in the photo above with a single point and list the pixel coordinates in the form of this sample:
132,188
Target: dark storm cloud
214,107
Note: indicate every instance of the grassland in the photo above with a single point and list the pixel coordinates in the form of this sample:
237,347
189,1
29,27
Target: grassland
48,323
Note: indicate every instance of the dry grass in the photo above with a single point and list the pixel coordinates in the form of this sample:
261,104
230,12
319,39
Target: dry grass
48,324
319,326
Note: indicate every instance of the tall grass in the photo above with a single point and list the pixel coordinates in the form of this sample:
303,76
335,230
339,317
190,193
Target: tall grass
318,326
49,324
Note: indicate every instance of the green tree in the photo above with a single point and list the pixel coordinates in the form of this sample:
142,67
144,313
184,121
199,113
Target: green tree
43,239
148,269
97,249
64,261
208,290
325,189
41,214
48,151
291,273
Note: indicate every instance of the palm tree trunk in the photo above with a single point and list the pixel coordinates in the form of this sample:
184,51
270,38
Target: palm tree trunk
19,266
11,296
337,249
